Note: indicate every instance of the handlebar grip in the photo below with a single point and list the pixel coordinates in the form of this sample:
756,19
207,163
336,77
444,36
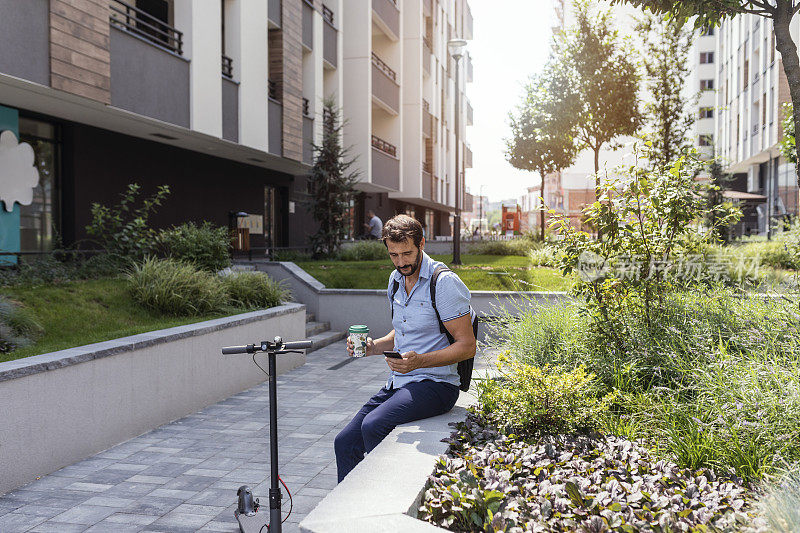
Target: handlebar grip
298,345
250,348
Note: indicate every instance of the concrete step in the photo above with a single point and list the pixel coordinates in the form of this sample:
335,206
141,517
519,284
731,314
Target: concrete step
323,339
313,328
310,317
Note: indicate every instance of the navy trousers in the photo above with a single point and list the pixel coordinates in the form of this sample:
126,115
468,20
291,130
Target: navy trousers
385,411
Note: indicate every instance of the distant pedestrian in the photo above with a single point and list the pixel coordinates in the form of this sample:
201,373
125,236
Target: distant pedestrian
374,226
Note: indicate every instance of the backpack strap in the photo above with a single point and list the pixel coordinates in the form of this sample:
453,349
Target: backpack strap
434,277
395,286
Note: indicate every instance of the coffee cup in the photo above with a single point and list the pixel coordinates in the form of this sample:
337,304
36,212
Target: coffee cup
358,338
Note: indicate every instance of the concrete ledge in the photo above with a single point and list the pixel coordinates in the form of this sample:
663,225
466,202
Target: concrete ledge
344,307
62,407
384,491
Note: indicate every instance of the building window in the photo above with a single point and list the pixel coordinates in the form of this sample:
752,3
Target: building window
707,85
39,222
706,112
706,57
706,140
746,76
707,32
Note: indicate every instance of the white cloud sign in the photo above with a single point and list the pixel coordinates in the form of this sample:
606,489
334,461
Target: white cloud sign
18,175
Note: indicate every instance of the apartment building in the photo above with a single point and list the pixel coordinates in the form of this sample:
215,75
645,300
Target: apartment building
700,89
222,100
218,99
751,89
400,106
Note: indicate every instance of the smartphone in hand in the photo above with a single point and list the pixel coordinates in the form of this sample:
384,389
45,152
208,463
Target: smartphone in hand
393,355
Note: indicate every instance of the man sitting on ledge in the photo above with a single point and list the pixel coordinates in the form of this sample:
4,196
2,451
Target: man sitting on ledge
425,382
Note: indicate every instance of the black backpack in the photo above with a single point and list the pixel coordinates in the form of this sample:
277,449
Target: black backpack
465,366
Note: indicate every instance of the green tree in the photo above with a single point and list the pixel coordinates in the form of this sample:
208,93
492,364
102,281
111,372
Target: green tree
332,184
666,47
719,181
709,13
542,127
603,71
788,143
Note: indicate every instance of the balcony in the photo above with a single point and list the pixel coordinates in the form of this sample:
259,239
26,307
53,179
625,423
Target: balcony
426,55
329,38
385,164
469,114
427,120
427,182
427,7
469,68
387,17
468,24
385,88
149,76
308,139
142,24
275,127
467,157
308,25
274,13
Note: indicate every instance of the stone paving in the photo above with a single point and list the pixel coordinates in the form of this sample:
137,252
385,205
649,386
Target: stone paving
183,476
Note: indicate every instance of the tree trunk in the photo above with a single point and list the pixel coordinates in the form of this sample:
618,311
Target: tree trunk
541,210
791,63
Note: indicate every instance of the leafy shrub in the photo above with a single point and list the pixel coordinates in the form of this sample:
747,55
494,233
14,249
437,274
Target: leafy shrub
174,288
17,327
102,266
531,400
254,290
363,251
710,384
124,231
206,246
40,270
518,246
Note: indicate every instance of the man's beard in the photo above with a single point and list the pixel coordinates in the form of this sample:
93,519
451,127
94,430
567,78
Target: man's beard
414,266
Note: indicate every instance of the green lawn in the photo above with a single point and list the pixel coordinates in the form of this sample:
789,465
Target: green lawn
479,273
83,312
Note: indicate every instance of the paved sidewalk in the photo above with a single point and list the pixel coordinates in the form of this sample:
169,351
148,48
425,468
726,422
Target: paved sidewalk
183,476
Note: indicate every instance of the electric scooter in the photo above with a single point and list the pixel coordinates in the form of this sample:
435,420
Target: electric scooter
248,512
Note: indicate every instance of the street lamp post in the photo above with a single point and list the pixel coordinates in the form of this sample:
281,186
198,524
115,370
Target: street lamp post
456,48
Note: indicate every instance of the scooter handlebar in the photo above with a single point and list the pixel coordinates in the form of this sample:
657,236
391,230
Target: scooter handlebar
250,348
297,345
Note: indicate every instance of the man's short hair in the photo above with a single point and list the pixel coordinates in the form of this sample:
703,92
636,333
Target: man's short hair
402,227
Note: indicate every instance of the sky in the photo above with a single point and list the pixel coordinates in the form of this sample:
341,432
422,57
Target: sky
511,40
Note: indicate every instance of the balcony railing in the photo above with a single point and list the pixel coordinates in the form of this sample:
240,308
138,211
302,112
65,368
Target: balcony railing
306,105
274,12
329,40
426,166
384,146
327,14
308,25
141,23
273,90
227,66
426,55
383,67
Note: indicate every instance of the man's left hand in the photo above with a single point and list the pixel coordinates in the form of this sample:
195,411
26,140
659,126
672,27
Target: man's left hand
410,361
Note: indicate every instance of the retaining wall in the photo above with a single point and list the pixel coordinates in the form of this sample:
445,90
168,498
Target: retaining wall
61,407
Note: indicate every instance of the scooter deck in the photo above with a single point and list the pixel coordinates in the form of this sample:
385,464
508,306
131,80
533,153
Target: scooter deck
255,523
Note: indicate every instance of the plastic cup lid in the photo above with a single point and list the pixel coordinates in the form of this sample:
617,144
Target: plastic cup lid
359,329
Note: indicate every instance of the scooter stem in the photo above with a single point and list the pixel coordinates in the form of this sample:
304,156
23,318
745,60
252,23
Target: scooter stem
274,491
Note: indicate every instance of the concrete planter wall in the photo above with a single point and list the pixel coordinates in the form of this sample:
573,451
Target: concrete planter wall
64,406
344,307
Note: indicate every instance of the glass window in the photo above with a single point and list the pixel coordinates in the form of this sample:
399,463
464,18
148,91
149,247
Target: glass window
707,85
706,112
39,221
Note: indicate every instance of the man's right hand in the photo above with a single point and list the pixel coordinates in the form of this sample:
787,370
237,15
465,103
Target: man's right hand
370,350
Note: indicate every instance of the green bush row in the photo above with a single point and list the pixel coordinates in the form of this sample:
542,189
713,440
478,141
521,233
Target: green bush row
712,382
519,246
177,288
18,327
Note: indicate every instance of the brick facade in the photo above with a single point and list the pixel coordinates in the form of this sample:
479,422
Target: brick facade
80,61
292,53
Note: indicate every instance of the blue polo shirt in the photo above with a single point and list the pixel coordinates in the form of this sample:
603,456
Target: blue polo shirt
415,324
